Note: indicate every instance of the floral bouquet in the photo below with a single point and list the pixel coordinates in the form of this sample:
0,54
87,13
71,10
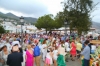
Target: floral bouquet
95,60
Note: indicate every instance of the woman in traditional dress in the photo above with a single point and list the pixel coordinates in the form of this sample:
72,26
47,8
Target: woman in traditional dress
61,56
73,50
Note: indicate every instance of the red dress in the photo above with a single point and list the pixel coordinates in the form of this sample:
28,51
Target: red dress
73,50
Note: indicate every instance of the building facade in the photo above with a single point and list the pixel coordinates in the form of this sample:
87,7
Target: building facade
12,28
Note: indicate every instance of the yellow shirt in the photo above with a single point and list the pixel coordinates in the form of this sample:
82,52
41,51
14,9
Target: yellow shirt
79,46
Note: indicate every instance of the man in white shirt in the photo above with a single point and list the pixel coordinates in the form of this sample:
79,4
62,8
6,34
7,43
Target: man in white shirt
67,47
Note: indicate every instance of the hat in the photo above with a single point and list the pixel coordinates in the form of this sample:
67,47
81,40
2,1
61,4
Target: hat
16,42
33,44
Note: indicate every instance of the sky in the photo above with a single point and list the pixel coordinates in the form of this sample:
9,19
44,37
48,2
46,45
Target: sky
37,8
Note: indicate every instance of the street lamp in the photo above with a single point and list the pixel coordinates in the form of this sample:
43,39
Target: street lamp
16,29
22,23
65,27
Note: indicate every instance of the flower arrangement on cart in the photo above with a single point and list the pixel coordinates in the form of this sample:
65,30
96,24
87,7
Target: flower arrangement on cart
95,58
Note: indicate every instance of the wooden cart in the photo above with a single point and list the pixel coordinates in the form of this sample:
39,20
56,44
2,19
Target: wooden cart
95,41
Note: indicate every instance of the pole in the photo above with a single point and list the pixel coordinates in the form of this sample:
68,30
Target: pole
21,35
16,30
65,31
22,20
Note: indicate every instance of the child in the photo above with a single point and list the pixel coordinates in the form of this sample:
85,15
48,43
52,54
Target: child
49,55
55,55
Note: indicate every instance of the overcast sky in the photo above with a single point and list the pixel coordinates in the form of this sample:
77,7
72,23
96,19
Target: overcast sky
37,8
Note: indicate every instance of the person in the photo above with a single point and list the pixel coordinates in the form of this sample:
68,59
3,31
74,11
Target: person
15,58
29,56
79,48
24,54
54,44
86,53
61,56
4,54
91,37
44,49
8,45
73,50
62,38
49,56
99,37
55,53
16,42
82,41
37,54
67,49
41,40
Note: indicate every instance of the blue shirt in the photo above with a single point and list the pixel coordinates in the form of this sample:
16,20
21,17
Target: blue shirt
86,53
62,38
83,43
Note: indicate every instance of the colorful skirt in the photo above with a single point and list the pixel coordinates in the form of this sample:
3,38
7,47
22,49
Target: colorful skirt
47,61
61,60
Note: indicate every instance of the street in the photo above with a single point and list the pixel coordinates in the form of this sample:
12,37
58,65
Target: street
74,63
70,63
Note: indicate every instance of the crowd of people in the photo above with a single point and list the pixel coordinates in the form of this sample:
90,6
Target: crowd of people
51,49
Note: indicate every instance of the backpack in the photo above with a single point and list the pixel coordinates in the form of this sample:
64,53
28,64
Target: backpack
36,51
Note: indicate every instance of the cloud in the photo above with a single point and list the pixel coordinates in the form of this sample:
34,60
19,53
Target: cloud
16,13
96,14
54,6
35,7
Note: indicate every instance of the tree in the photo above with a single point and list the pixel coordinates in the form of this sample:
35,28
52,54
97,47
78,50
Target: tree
77,12
47,22
81,21
59,19
1,21
2,30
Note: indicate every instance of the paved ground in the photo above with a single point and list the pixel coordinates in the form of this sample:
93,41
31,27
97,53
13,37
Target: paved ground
70,63
74,63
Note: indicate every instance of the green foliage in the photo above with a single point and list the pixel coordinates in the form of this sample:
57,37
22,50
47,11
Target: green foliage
7,31
2,30
77,13
47,22
81,21
1,21
59,19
